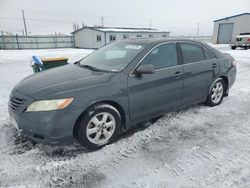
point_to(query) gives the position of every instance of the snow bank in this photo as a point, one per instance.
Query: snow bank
(196, 147)
(12, 56)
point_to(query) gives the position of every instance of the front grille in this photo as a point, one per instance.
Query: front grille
(16, 103)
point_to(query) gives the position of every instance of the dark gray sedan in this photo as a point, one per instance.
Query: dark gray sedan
(117, 87)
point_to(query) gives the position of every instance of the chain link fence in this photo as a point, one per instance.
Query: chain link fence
(36, 42)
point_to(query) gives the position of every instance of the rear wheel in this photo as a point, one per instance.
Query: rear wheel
(99, 126)
(216, 93)
(233, 47)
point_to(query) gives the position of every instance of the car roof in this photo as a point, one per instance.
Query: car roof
(158, 40)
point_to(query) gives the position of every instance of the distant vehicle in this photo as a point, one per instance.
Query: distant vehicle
(117, 87)
(242, 41)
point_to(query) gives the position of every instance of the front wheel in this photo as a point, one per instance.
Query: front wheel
(216, 93)
(99, 126)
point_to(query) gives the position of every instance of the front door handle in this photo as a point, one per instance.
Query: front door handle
(214, 65)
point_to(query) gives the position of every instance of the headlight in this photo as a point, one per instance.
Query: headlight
(48, 105)
(234, 63)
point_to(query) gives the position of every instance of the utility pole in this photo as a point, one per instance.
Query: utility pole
(24, 23)
(150, 23)
(198, 29)
(102, 20)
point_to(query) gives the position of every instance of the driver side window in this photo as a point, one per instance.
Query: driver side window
(162, 56)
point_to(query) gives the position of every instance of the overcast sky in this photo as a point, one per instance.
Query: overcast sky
(180, 17)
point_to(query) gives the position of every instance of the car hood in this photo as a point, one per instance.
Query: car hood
(61, 80)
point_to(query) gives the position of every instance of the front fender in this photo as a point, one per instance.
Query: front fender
(115, 92)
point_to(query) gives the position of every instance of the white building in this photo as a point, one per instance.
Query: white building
(226, 29)
(96, 37)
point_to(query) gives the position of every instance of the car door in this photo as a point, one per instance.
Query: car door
(200, 69)
(154, 94)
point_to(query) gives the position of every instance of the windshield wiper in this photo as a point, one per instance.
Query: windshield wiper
(94, 68)
(90, 67)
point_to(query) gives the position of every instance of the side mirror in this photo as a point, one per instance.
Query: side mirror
(77, 62)
(145, 69)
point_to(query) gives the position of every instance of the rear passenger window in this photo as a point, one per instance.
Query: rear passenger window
(208, 55)
(191, 53)
(163, 56)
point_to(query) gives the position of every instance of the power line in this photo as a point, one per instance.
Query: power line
(126, 22)
(95, 22)
(10, 18)
(144, 20)
(35, 19)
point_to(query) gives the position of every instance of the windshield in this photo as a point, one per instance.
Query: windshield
(113, 57)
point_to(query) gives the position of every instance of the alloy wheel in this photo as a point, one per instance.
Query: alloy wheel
(217, 92)
(100, 128)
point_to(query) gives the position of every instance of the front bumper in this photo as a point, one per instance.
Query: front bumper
(241, 45)
(52, 127)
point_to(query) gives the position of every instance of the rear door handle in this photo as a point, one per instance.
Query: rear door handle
(214, 65)
(178, 74)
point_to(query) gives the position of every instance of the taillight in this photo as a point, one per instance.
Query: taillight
(234, 63)
(248, 40)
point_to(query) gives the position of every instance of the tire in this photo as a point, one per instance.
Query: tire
(99, 127)
(233, 47)
(216, 93)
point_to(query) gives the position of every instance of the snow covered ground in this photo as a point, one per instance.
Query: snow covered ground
(196, 147)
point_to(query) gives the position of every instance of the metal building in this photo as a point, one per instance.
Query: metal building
(96, 37)
(226, 29)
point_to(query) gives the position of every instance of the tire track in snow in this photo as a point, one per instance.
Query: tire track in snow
(198, 147)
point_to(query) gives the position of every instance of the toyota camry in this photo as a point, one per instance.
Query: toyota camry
(117, 87)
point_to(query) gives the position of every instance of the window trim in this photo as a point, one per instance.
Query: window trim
(98, 35)
(209, 53)
(126, 36)
(132, 73)
(112, 35)
(191, 42)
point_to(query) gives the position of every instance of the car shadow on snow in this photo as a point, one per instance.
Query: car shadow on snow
(144, 125)
(89, 179)
(23, 145)
(188, 127)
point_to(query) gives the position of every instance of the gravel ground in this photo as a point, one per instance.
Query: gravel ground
(195, 147)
